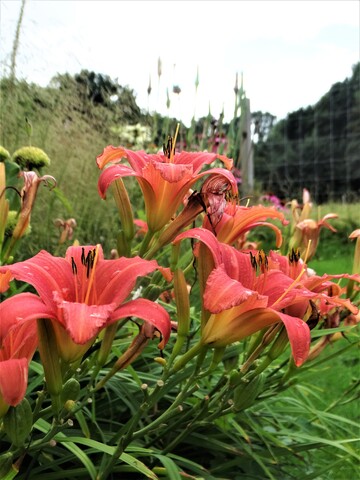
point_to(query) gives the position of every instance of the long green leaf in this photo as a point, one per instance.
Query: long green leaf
(44, 427)
(125, 457)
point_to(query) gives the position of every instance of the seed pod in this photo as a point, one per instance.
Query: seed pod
(18, 422)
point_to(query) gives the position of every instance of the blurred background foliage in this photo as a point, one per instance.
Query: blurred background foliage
(75, 117)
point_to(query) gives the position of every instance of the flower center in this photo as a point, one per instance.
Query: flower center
(169, 148)
(85, 276)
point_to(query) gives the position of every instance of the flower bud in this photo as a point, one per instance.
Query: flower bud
(18, 422)
(246, 393)
(70, 391)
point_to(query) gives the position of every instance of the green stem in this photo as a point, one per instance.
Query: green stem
(145, 243)
(196, 349)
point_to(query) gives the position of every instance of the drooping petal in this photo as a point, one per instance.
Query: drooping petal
(149, 311)
(207, 238)
(299, 337)
(110, 174)
(13, 380)
(83, 322)
(19, 309)
(235, 324)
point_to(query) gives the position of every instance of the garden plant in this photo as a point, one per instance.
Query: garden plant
(177, 353)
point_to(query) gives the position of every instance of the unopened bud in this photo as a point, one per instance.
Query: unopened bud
(18, 422)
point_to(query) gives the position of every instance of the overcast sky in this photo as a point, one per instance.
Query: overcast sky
(290, 52)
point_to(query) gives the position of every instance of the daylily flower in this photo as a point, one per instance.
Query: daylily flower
(305, 229)
(164, 179)
(328, 293)
(237, 220)
(18, 343)
(84, 293)
(241, 303)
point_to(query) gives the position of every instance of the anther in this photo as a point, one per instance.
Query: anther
(73, 266)
(253, 261)
(83, 259)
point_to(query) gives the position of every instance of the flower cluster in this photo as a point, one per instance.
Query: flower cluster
(195, 230)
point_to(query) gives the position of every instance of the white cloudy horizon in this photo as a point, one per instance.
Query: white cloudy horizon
(290, 53)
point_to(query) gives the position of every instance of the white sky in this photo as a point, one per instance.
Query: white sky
(290, 52)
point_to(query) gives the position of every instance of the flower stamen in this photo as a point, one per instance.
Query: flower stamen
(91, 260)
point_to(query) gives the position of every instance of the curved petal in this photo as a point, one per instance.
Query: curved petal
(137, 159)
(83, 322)
(20, 342)
(110, 174)
(198, 159)
(222, 292)
(116, 278)
(230, 326)
(207, 238)
(229, 229)
(224, 173)
(149, 311)
(19, 309)
(47, 274)
(13, 380)
(299, 337)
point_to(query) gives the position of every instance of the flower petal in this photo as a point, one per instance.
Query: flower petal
(222, 292)
(299, 337)
(115, 279)
(47, 274)
(13, 380)
(83, 322)
(207, 238)
(149, 311)
(20, 309)
(110, 174)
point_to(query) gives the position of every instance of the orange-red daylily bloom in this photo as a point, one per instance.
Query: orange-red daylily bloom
(84, 293)
(164, 179)
(305, 229)
(237, 220)
(18, 342)
(328, 293)
(241, 302)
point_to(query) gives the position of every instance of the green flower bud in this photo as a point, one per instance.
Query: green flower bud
(18, 422)
(246, 393)
(70, 391)
(29, 158)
